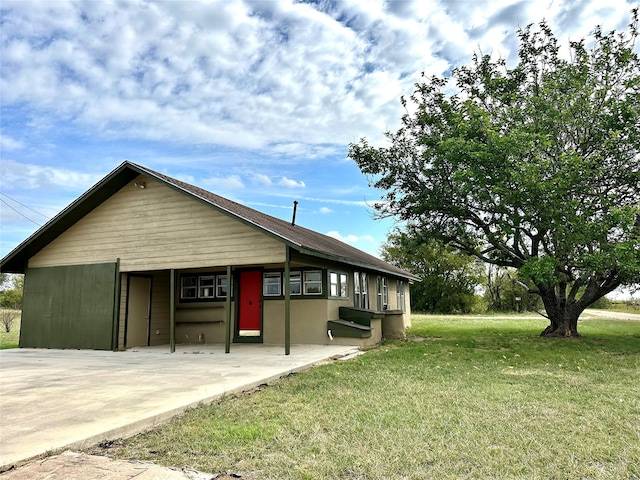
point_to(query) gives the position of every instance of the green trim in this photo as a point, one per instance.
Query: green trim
(116, 307)
(345, 328)
(227, 337)
(287, 302)
(172, 311)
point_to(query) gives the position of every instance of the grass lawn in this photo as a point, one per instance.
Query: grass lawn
(464, 398)
(10, 340)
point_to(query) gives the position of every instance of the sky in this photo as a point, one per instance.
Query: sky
(256, 101)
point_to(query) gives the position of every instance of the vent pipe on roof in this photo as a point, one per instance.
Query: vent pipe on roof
(295, 207)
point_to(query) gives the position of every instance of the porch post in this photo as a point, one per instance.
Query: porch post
(116, 308)
(227, 337)
(172, 312)
(287, 302)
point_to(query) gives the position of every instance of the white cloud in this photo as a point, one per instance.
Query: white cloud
(351, 238)
(8, 143)
(29, 176)
(221, 184)
(280, 75)
(287, 182)
(262, 179)
(325, 210)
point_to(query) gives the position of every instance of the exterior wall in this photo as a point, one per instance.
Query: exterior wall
(157, 228)
(309, 323)
(201, 323)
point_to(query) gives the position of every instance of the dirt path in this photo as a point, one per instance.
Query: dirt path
(612, 315)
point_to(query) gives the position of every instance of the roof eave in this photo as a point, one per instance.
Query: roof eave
(16, 261)
(356, 263)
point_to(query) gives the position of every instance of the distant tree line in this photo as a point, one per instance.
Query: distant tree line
(454, 282)
(11, 287)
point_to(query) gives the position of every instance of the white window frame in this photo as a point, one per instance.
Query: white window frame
(220, 286)
(306, 283)
(400, 294)
(361, 290)
(382, 290)
(267, 289)
(184, 288)
(206, 286)
(338, 285)
(295, 278)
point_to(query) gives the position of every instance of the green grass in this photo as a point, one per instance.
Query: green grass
(466, 398)
(11, 339)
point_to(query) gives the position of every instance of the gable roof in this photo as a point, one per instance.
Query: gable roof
(299, 238)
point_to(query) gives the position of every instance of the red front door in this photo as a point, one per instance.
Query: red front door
(250, 304)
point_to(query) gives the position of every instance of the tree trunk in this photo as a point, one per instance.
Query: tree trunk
(565, 326)
(563, 316)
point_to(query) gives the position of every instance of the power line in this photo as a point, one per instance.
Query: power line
(23, 205)
(19, 213)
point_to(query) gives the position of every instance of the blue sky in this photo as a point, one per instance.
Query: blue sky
(256, 101)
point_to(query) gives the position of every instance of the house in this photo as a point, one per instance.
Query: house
(144, 259)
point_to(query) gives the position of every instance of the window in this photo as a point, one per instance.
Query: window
(272, 284)
(203, 287)
(338, 286)
(382, 288)
(189, 287)
(206, 286)
(312, 284)
(400, 294)
(361, 290)
(222, 286)
(301, 283)
(295, 283)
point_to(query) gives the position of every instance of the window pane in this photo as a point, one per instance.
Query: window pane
(364, 288)
(313, 276)
(222, 289)
(206, 286)
(272, 284)
(313, 283)
(189, 292)
(344, 291)
(295, 283)
(189, 287)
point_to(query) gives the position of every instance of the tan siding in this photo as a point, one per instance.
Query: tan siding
(157, 228)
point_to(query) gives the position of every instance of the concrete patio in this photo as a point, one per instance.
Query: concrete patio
(58, 399)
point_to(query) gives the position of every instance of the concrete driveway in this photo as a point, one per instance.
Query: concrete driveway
(55, 399)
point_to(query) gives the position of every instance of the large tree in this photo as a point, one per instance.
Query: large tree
(534, 167)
